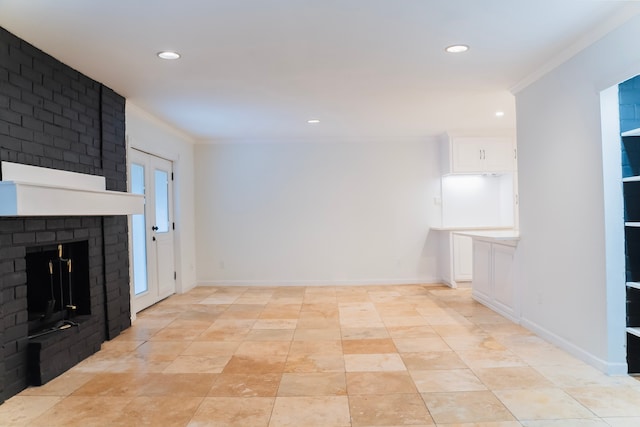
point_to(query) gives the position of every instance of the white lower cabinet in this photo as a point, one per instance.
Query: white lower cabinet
(493, 277)
(462, 258)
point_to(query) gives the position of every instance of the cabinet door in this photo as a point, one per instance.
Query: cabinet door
(462, 258)
(502, 276)
(498, 155)
(482, 269)
(466, 155)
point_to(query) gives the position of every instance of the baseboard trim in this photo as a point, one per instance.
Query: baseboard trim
(320, 283)
(574, 350)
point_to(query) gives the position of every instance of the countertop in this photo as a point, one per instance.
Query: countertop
(495, 235)
(472, 229)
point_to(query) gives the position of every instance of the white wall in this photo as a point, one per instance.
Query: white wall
(477, 201)
(570, 294)
(149, 134)
(317, 212)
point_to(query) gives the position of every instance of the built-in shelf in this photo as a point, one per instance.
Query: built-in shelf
(635, 285)
(632, 132)
(631, 179)
(632, 224)
(634, 331)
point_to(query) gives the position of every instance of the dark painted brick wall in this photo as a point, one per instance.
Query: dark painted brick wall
(53, 116)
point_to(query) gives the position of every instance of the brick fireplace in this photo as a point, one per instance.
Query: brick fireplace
(54, 117)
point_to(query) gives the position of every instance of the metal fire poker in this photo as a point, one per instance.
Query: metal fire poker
(70, 306)
(52, 302)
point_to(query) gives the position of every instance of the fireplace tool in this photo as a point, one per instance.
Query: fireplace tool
(52, 302)
(70, 307)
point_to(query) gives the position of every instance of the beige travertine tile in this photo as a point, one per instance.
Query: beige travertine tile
(176, 334)
(233, 412)
(379, 383)
(63, 385)
(317, 411)
(581, 375)
(512, 378)
(313, 362)
(608, 401)
(303, 348)
(275, 324)
(270, 335)
(377, 347)
(192, 324)
(313, 384)
(584, 422)
(484, 424)
(373, 362)
(433, 360)
(466, 407)
(197, 364)
(446, 380)
(211, 348)
(137, 364)
(364, 333)
(111, 384)
(399, 332)
(322, 334)
(540, 404)
(317, 321)
(281, 311)
(256, 364)
(77, 411)
(263, 348)
(121, 346)
(472, 342)
(245, 385)
(420, 345)
(157, 411)
(478, 359)
(395, 321)
(22, 410)
(388, 410)
(177, 385)
(368, 346)
(161, 351)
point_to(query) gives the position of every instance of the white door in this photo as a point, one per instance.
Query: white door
(152, 232)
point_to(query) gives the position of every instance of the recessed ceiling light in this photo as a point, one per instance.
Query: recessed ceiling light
(499, 113)
(457, 48)
(168, 54)
(313, 121)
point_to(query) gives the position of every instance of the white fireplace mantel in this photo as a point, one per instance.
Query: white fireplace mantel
(35, 191)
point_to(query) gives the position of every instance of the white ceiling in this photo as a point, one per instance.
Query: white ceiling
(258, 69)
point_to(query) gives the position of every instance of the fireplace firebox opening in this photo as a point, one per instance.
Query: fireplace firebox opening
(57, 286)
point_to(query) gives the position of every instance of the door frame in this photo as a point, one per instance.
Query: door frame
(133, 144)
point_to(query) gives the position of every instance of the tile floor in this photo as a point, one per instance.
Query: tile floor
(327, 356)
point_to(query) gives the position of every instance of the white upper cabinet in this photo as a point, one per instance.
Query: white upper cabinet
(463, 154)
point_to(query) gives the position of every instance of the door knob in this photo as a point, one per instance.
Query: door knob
(154, 228)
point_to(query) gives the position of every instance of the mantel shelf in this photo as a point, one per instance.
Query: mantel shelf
(27, 199)
(35, 191)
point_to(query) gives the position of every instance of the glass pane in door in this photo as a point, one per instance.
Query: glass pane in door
(138, 232)
(162, 201)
